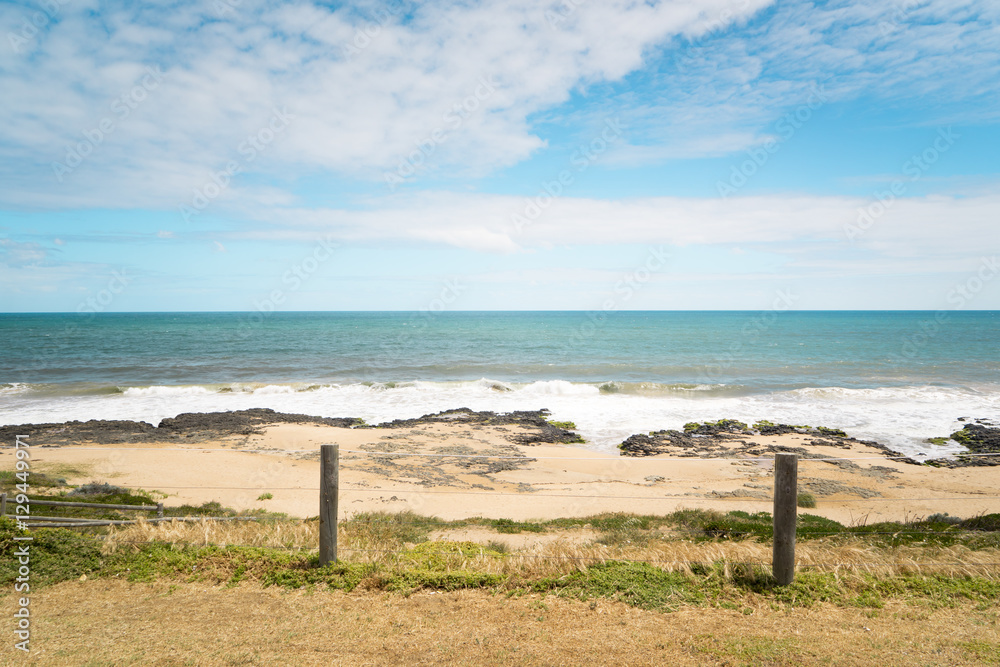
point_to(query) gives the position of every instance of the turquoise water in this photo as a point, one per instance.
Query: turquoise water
(757, 351)
(634, 368)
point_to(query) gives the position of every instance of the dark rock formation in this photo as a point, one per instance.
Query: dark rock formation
(188, 427)
(543, 432)
(201, 426)
(980, 437)
(733, 439)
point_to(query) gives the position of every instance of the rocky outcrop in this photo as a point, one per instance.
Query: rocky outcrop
(730, 438)
(189, 427)
(202, 426)
(980, 437)
(541, 431)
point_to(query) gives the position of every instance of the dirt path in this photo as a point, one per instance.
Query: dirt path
(112, 622)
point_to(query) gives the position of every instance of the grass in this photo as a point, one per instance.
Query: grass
(9, 481)
(107, 494)
(806, 500)
(510, 526)
(249, 624)
(693, 557)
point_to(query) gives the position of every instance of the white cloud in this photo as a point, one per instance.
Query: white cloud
(358, 113)
(723, 93)
(939, 229)
(16, 254)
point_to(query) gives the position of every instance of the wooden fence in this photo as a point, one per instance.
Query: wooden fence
(75, 522)
(784, 515)
(786, 468)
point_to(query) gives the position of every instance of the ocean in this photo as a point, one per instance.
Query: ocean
(897, 377)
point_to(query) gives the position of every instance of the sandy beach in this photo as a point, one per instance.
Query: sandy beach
(460, 464)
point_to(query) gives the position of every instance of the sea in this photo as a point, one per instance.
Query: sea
(898, 377)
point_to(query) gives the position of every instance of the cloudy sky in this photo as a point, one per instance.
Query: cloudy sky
(575, 154)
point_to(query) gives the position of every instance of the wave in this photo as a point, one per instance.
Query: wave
(11, 388)
(674, 389)
(930, 393)
(902, 417)
(540, 388)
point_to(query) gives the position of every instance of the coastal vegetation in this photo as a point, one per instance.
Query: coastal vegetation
(689, 557)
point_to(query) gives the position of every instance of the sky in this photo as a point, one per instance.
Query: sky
(240, 155)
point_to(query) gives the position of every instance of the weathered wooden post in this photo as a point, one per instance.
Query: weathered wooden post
(786, 473)
(3, 504)
(329, 486)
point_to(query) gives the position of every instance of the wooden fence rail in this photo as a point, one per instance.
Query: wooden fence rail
(76, 522)
(785, 512)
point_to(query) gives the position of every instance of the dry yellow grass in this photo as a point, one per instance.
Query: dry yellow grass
(546, 557)
(108, 622)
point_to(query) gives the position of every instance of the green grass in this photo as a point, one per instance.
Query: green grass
(9, 481)
(749, 650)
(806, 500)
(60, 555)
(984, 652)
(637, 584)
(618, 528)
(510, 526)
(401, 527)
(106, 494)
(55, 554)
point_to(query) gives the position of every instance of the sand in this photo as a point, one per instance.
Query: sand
(425, 467)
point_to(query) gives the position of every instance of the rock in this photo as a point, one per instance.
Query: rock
(191, 427)
(729, 438)
(542, 431)
(980, 437)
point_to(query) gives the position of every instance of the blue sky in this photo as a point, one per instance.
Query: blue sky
(240, 155)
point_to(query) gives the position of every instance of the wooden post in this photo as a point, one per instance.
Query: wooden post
(159, 510)
(786, 472)
(329, 486)
(3, 504)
